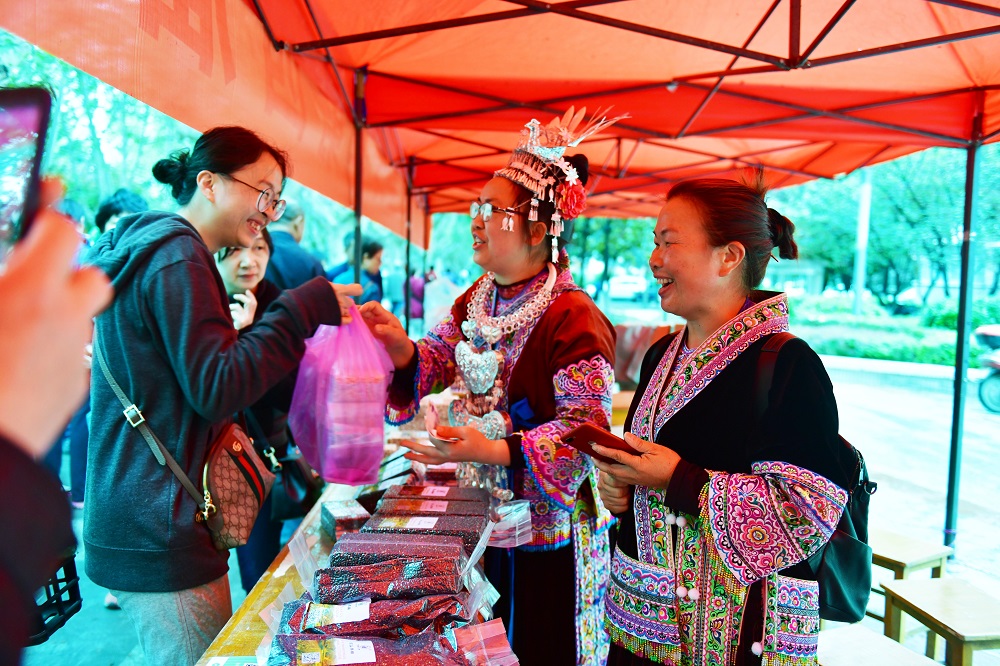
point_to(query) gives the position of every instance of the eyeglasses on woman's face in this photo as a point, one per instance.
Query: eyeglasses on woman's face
(267, 202)
(486, 210)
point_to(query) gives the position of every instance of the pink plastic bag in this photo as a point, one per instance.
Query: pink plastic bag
(338, 408)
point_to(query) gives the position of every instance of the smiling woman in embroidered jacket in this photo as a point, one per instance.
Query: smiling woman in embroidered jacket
(719, 511)
(534, 359)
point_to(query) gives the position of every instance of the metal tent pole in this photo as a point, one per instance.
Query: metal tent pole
(360, 116)
(964, 315)
(409, 240)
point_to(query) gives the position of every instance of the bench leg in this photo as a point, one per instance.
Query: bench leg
(931, 645)
(893, 617)
(958, 654)
(931, 652)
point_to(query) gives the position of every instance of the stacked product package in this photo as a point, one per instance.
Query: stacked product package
(402, 590)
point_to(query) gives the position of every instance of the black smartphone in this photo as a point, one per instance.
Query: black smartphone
(584, 437)
(24, 122)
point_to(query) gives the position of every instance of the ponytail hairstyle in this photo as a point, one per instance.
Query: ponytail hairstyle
(736, 212)
(220, 150)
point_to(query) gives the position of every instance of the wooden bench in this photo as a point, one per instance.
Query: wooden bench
(853, 645)
(902, 555)
(966, 617)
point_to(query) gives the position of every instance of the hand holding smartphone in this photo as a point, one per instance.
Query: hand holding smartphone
(584, 437)
(24, 121)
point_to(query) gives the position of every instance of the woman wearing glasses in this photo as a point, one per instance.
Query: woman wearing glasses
(533, 358)
(169, 342)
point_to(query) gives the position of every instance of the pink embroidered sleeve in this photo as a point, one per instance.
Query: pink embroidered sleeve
(582, 394)
(435, 371)
(771, 519)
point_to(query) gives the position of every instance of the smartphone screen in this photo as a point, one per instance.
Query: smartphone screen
(24, 119)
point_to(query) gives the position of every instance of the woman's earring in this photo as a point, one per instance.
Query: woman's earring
(508, 222)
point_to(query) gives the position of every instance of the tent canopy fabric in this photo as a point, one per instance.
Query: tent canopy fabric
(810, 90)
(442, 87)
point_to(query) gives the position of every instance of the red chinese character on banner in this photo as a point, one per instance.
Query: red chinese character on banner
(191, 22)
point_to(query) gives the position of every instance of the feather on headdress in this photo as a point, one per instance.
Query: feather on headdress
(538, 164)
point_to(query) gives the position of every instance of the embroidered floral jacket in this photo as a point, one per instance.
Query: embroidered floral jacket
(715, 562)
(562, 366)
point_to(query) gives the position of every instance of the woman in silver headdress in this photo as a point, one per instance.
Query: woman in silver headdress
(532, 358)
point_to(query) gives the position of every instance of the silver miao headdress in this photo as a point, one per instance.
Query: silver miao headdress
(538, 164)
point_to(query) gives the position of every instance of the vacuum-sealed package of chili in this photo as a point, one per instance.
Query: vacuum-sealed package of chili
(468, 528)
(400, 578)
(379, 546)
(369, 496)
(429, 507)
(449, 493)
(342, 516)
(390, 618)
(442, 474)
(424, 649)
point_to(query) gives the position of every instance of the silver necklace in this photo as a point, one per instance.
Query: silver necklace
(491, 328)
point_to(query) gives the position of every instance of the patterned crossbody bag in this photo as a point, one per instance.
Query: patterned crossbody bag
(235, 481)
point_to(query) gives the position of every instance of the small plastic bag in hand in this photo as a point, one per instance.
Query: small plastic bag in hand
(344, 382)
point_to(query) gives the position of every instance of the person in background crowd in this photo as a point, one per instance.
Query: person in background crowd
(289, 265)
(168, 340)
(75, 211)
(393, 296)
(250, 293)
(122, 202)
(727, 546)
(556, 373)
(371, 272)
(348, 263)
(417, 282)
(48, 308)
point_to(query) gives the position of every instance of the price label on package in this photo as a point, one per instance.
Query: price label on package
(435, 491)
(437, 506)
(358, 611)
(421, 523)
(322, 614)
(353, 652)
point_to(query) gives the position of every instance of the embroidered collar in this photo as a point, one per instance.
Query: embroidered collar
(767, 315)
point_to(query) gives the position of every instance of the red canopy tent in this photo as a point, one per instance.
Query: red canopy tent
(386, 103)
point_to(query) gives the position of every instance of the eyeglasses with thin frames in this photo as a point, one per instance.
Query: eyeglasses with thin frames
(486, 210)
(265, 199)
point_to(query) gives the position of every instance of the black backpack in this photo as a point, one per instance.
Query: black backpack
(843, 566)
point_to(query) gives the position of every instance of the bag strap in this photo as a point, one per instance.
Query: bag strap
(765, 370)
(137, 421)
(762, 387)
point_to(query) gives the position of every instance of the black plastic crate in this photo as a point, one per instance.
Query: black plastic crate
(57, 601)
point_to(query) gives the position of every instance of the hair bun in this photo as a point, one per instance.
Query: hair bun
(582, 166)
(172, 171)
(782, 232)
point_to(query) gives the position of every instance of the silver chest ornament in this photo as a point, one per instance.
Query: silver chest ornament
(479, 370)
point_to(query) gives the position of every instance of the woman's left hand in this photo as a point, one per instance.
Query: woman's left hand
(652, 466)
(460, 444)
(244, 310)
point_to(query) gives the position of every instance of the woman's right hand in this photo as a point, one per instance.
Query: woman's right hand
(243, 310)
(387, 328)
(616, 495)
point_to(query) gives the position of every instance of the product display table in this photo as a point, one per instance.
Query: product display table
(245, 630)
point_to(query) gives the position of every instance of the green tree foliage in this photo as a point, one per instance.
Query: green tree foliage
(915, 227)
(101, 140)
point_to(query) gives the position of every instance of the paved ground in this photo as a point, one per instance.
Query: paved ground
(899, 415)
